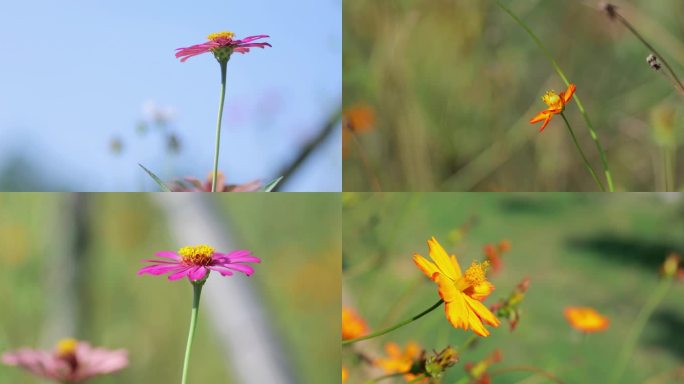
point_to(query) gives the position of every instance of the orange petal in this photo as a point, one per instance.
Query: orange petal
(568, 93)
(546, 122)
(446, 264)
(483, 312)
(447, 289)
(457, 312)
(481, 291)
(540, 116)
(476, 324)
(428, 268)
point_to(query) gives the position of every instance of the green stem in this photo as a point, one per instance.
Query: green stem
(224, 65)
(678, 83)
(639, 324)
(590, 126)
(586, 162)
(196, 292)
(392, 328)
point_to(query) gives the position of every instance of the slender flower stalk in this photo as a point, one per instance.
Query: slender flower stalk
(393, 327)
(584, 157)
(224, 65)
(646, 312)
(590, 126)
(196, 292)
(613, 14)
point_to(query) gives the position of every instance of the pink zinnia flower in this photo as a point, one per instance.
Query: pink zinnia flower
(222, 45)
(195, 262)
(72, 361)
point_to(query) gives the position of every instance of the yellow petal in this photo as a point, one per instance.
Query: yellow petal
(483, 312)
(457, 312)
(447, 265)
(447, 289)
(428, 268)
(481, 291)
(476, 325)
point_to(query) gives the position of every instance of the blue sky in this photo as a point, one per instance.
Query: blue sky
(75, 74)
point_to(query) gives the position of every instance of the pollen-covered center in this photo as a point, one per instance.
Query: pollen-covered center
(476, 274)
(66, 347)
(553, 100)
(221, 36)
(197, 255)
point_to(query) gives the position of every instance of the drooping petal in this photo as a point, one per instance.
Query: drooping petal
(540, 116)
(457, 312)
(568, 93)
(246, 269)
(546, 122)
(444, 262)
(427, 267)
(447, 289)
(160, 269)
(197, 273)
(482, 312)
(476, 324)
(180, 274)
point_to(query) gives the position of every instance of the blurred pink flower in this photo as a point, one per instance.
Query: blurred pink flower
(191, 184)
(222, 45)
(196, 262)
(72, 361)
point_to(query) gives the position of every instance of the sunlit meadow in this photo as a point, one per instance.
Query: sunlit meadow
(455, 89)
(577, 297)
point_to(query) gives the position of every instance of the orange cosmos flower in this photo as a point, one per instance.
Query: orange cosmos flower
(585, 319)
(461, 292)
(556, 105)
(353, 325)
(399, 361)
(345, 375)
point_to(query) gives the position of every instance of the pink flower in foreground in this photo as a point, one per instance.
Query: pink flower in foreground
(195, 262)
(72, 361)
(191, 184)
(222, 45)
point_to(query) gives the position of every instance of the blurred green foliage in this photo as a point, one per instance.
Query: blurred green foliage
(298, 281)
(577, 249)
(454, 83)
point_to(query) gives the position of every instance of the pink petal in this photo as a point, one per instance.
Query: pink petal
(180, 274)
(221, 270)
(160, 269)
(197, 273)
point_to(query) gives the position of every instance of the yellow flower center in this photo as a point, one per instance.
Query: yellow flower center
(66, 347)
(553, 100)
(476, 274)
(220, 35)
(197, 255)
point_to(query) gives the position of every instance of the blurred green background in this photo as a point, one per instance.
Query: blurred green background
(298, 281)
(577, 249)
(453, 84)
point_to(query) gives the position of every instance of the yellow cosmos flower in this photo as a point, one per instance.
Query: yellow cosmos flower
(461, 292)
(585, 319)
(345, 375)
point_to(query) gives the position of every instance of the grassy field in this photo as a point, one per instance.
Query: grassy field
(453, 83)
(298, 281)
(577, 249)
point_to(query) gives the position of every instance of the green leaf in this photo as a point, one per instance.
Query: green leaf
(156, 179)
(270, 186)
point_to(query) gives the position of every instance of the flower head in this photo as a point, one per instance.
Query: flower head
(71, 361)
(191, 184)
(196, 262)
(556, 105)
(585, 319)
(353, 325)
(409, 361)
(222, 45)
(461, 292)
